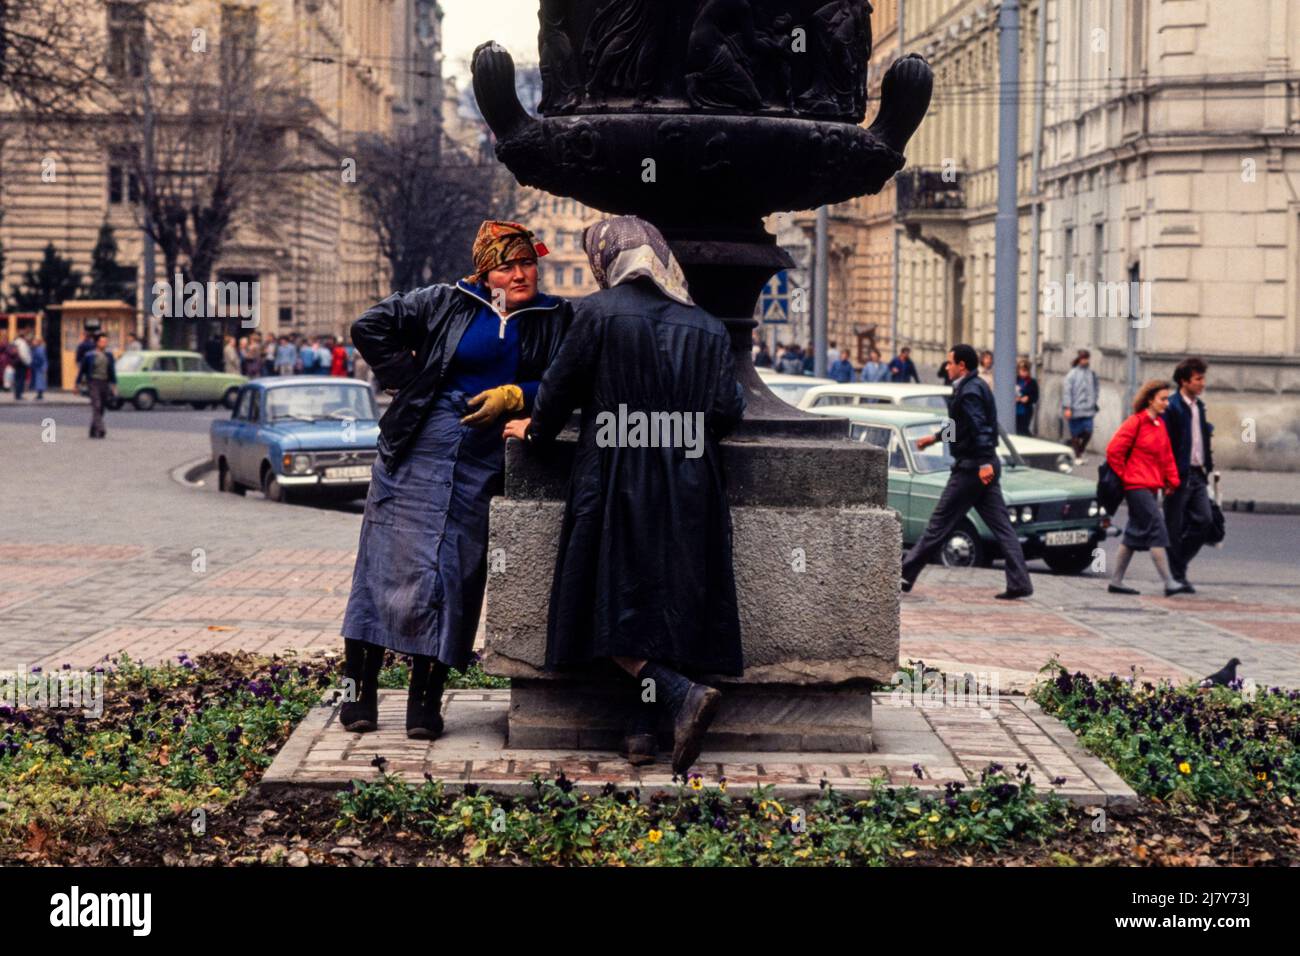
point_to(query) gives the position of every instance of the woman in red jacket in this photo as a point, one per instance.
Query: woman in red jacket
(1140, 454)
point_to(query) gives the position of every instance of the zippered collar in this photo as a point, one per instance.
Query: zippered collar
(545, 303)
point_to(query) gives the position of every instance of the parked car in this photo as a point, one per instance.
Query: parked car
(1039, 453)
(146, 378)
(790, 388)
(298, 436)
(1057, 517)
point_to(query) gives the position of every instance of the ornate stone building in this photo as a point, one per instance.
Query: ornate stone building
(315, 261)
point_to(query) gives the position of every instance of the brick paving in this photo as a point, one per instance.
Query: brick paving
(951, 744)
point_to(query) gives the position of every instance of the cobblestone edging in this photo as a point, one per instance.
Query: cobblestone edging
(947, 744)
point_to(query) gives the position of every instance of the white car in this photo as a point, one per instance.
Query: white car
(1037, 452)
(790, 388)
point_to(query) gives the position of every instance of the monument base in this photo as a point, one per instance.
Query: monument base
(816, 587)
(589, 715)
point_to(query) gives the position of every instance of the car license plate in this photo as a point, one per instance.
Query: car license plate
(348, 471)
(1055, 539)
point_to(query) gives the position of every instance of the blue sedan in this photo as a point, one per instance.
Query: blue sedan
(298, 436)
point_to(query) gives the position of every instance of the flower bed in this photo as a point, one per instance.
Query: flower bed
(1184, 743)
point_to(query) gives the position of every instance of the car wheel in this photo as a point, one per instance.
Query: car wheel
(963, 549)
(145, 400)
(226, 481)
(230, 398)
(272, 489)
(1069, 560)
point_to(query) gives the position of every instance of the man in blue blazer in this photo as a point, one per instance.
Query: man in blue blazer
(1187, 510)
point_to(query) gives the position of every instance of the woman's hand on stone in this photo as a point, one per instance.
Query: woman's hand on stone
(517, 428)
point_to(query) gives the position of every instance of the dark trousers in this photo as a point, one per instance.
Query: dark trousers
(99, 395)
(1187, 518)
(20, 379)
(963, 492)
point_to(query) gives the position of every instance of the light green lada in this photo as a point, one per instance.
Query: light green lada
(1056, 516)
(146, 378)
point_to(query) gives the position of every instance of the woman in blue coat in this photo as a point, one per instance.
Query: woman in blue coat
(460, 358)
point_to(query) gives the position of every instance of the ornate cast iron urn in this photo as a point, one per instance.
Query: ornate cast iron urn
(703, 116)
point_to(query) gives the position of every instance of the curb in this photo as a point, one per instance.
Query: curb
(1251, 506)
(188, 473)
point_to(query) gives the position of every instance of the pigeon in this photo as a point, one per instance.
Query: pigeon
(1223, 677)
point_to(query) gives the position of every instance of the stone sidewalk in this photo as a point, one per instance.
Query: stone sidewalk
(927, 747)
(77, 604)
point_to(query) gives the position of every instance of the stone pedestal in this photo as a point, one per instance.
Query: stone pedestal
(817, 566)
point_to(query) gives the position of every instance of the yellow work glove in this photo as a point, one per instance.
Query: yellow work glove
(494, 403)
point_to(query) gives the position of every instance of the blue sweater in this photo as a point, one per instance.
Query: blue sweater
(486, 358)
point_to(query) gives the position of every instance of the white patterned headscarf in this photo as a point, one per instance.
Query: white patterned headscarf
(625, 247)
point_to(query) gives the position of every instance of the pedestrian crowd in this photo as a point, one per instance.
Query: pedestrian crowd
(258, 355)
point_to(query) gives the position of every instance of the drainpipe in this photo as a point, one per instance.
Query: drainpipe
(1040, 109)
(893, 313)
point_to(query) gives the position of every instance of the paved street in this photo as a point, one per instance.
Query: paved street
(99, 556)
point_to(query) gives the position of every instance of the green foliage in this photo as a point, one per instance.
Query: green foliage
(1183, 743)
(700, 825)
(53, 282)
(170, 738)
(108, 278)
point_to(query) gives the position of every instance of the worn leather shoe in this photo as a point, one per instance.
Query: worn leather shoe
(639, 749)
(1012, 594)
(1179, 589)
(691, 724)
(1122, 589)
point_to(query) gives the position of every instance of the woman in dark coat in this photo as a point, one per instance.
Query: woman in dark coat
(1141, 456)
(644, 573)
(459, 357)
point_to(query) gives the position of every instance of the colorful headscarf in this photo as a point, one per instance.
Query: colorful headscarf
(625, 247)
(499, 242)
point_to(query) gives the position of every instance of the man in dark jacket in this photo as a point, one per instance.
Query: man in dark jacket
(974, 480)
(644, 574)
(1187, 510)
(100, 375)
(902, 368)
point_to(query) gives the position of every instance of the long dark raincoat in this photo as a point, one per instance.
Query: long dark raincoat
(644, 567)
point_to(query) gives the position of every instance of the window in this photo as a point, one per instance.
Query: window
(896, 459)
(238, 45)
(822, 400)
(166, 363)
(254, 405)
(191, 363)
(123, 183)
(125, 40)
(577, 275)
(245, 407)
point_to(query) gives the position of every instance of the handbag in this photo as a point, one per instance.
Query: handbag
(1217, 529)
(1110, 489)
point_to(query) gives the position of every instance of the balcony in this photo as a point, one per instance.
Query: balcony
(926, 190)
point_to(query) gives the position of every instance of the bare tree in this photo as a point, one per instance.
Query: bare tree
(425, 199)
(203, 125)
(49, 62)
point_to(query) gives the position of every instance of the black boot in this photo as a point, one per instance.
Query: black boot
(424, 698)
(693, 707)
(361, 664)
(640, 734)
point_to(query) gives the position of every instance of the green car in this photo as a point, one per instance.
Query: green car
(146, 378)
(1056, 516)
